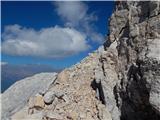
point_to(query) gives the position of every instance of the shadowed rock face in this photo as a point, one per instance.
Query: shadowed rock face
(135, 26)
(119, 81)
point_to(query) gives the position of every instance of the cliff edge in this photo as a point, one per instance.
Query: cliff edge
(119, 81)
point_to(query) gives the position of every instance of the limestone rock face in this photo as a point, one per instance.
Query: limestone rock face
(74, 96)
(135, 26)
(18, 94)
(119, 81)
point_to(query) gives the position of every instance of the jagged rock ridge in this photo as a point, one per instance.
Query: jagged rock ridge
(135, 28)
(120, 81)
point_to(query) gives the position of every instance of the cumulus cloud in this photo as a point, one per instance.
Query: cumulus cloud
(53, 42)
(75, 14)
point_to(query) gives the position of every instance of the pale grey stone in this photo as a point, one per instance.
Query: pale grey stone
(154, 97)
(49, 97)
(53, 115)
(15, 97)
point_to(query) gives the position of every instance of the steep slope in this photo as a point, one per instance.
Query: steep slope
(135, 28)
(120, 81)
(71, 96)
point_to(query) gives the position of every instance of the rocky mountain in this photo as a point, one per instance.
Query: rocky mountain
(119, 81)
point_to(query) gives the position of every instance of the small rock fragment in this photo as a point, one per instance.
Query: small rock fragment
(49, 97)
(53, 116)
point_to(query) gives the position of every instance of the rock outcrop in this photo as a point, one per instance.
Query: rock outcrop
(135, 28)
(119, 81)
(71, 96)
(15, 97)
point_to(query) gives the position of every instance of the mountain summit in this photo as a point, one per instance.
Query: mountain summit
(119, 81)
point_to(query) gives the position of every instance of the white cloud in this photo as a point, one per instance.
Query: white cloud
(54, 42)
(51, 42)
(3, 63)
(75, 14)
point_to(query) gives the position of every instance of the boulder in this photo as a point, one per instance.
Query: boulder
(49, 97)
(36, 102)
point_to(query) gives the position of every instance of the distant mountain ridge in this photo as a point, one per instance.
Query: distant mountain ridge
(11, 73)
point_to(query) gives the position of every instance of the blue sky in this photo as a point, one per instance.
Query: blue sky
(58, 34)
